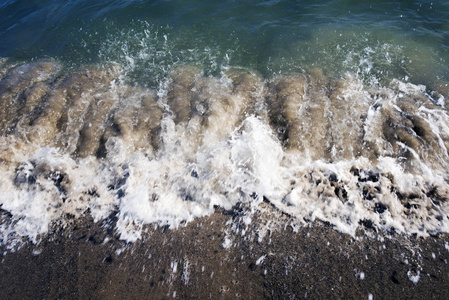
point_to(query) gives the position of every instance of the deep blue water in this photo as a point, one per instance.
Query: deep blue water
(374, 39)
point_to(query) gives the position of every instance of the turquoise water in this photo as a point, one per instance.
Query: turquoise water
(374, 39)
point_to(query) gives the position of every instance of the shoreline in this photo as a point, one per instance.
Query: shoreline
(195, 262)
(226, 150)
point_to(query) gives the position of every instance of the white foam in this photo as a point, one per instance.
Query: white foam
(260, 260)
(196, 169)
(414, 277)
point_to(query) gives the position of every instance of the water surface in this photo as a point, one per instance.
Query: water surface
(143, 112)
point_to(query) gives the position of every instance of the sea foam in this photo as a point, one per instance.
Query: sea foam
(343, 151)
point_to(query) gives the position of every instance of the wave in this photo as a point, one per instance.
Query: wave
(339, 150)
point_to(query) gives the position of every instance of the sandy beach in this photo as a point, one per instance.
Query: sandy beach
(86, 261)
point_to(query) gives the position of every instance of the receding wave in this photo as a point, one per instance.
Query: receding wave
(84, 142)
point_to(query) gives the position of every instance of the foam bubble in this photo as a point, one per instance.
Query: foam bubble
(316, 148)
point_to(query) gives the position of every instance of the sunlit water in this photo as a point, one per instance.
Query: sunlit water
(162, 111)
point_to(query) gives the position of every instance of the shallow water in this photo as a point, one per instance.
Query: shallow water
(160, 112)
(385, 39)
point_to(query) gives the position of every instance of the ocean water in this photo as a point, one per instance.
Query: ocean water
(160, 112)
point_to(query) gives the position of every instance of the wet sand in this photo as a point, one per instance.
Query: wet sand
(87, 261)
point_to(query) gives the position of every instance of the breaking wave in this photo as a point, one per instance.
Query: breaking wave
(340, 150)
